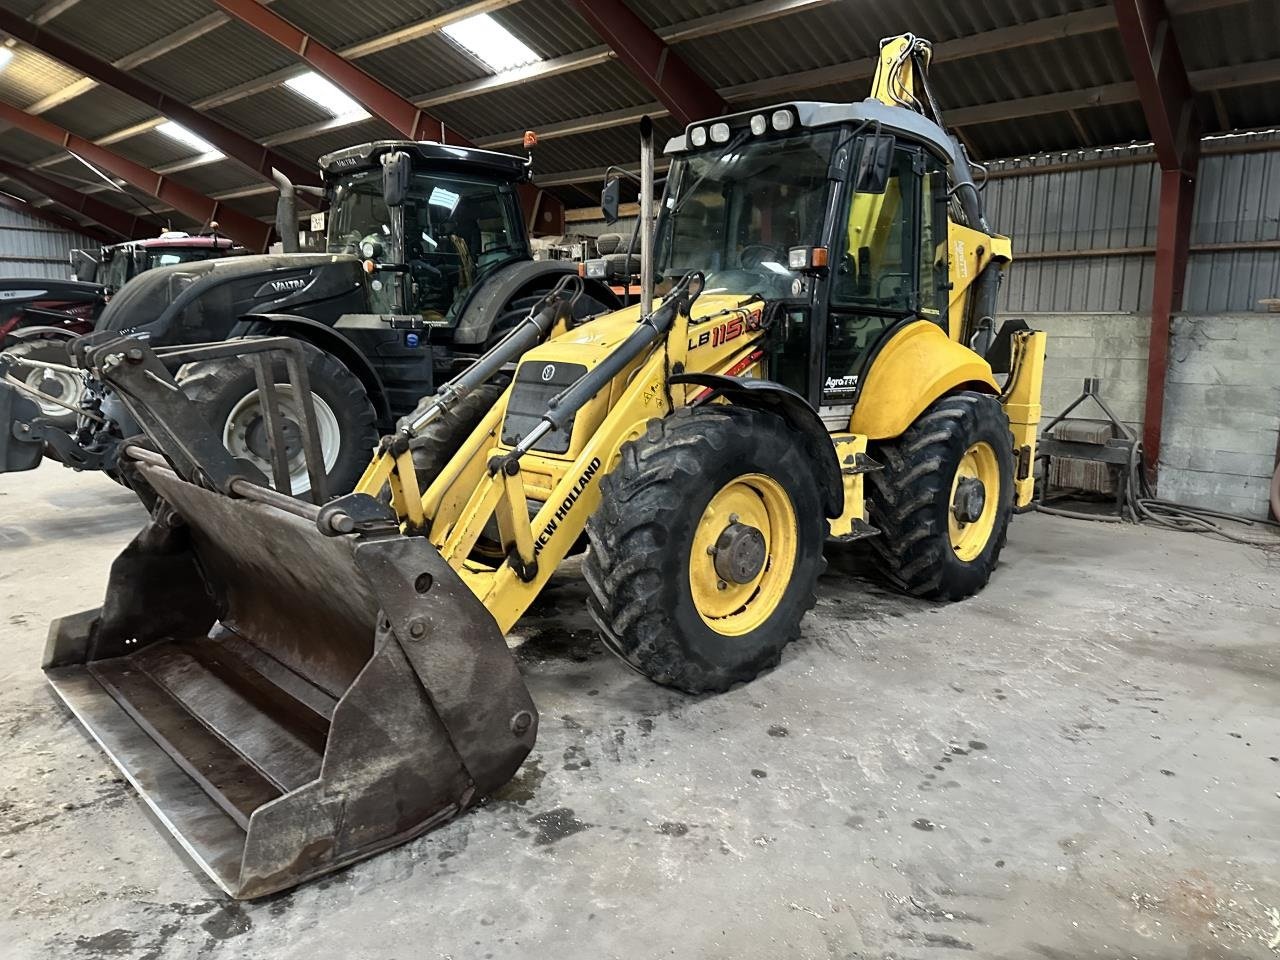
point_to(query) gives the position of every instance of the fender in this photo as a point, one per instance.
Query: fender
(484, 305)
(794, 409)
(43, 332)
(326, 338)
(911, 370)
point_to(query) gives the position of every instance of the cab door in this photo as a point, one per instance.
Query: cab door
(888, 267)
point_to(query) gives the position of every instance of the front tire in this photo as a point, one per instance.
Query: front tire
(706, 547)
(227, 393)
(944, 498)
(64, 385)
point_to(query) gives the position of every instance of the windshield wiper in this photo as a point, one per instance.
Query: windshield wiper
(733, 144)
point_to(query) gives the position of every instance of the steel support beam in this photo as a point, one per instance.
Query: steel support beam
(56, 219)
(380, 100)
(241, 227)
(120, 222)
(372, 94)
(257, 159)
(1168, 103)
(675, 83)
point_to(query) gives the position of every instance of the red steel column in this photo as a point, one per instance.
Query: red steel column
(1169, 106)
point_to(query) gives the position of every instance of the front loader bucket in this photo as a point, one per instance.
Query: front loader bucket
(288, 702)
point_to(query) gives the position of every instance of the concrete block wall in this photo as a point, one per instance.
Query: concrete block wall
(1222, 396)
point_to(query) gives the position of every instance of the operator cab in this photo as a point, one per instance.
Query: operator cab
(460, 221)
(834, 214)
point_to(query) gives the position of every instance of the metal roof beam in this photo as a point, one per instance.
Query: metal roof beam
(373, 95)
(257, 159)
(1168, 102)
(1125, 91)
(51, 9)
(682, 91)
(239, 226)
(116, 220)
(758, 12)
(56, 219)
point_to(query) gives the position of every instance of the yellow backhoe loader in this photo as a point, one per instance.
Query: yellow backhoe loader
(293, 686)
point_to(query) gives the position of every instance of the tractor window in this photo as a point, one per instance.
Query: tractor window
(456, 229)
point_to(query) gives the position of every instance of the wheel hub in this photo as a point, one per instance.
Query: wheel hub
(739, 553)
(50, 385)
(970, 500)
(258, 442)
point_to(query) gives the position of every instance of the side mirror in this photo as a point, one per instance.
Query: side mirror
(397, 172)
(610, 200)
(875, 163)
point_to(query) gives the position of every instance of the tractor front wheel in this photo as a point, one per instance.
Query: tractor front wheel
(227, 392)
(943, 498)
(706, 547)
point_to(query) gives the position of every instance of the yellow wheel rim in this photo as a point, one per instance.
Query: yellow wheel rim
(752, 502)
(969, 533)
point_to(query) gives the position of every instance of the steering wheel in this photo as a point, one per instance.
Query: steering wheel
(755, 254)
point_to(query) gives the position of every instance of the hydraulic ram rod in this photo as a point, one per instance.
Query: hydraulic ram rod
(648, 330)
(527, 334)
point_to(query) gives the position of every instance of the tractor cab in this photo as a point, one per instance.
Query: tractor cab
(430, 221)
(836, 216)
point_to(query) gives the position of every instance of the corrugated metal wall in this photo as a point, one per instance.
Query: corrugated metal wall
(35, 248)
(1102, 220)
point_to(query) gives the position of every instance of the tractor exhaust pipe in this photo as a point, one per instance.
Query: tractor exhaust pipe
(646, 216)
(286, 212)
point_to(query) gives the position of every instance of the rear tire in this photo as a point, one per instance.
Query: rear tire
(65, 386)
(657, 591)
(923, 549)
(226, 391)
(435, 444)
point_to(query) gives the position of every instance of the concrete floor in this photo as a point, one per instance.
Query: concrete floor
(1084, 761)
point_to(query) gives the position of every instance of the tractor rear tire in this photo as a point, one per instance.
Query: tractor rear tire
(923, 548)
(65, 386)
(659, 592)
(435, 444)
(226, 391)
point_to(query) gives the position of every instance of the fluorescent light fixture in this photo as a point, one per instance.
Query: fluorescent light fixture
(6, 54)
(324, 94)
(440, 197)
(176, 131)
(490, 42)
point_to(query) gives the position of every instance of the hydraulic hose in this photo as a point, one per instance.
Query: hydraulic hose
(525, 335)
(1140, 506)
(648, 331)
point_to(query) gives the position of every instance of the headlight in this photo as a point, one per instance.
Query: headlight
(367, 250)
(698, 136)
(720, 133)
(597, 269)
(783, 120)
(759, 124)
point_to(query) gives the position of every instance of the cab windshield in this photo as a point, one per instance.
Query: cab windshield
(457, 229)
(733, 213)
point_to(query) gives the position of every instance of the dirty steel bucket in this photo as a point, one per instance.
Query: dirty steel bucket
(287, 702)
